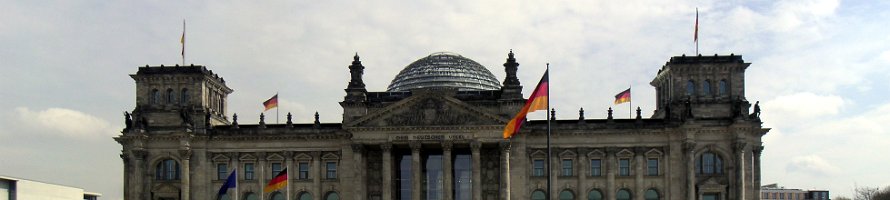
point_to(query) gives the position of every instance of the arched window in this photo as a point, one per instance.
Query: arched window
(690, 88)
(155, 96)
(706, 88)
(276, 196)
(651, 194)
(594, 195)
(251, 196)
(538, 195)
(332, 196)
(722, 88)
(184, 96)
(304, 196)
(623, 194)
(171, 97)
(566, 195)
(167, 170)
(709, 163)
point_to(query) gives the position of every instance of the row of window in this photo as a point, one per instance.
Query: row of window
(596, 167)
(303, 168)
(280, 196)
(169, 170)
(708, 163)
(155, 97)
(722, 88)
(595, 194)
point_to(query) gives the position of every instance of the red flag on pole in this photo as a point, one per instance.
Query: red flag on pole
(695, 39)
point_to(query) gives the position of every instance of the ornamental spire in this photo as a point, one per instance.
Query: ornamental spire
(511, 66)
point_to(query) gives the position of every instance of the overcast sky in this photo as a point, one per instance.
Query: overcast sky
(820, 68)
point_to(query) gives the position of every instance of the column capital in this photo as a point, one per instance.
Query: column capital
(447, 146)
(639, 151)
(288, 154)
(475, 145)
(415, 145)
(505, 145)
(386, 147)
(358, 147)
(689, 146)
(757, 150)
(185, 154)
(139, 154)
(610, 151)
(315, 154)
(740, 146)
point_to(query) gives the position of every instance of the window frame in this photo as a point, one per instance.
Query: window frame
(303, 173)
(538, 171)
(624, 170)
(653, 170)
(596, 170)
(249, 172)
(331, 173)
(568, 169)
(272, 169)
(222, 170)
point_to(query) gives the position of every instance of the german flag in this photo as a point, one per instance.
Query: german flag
(271, 103)
(278, 182)
(622, 97)
(537, 101)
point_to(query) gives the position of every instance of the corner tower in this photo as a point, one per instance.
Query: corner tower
(170, 96)
(701, 87)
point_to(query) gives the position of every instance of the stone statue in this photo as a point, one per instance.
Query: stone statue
(688, 109)
(639, 111)
(185, 116)
(207, 120)
(610, 113)
(128, 121)
(756, 113)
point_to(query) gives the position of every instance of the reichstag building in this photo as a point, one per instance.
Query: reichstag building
(436, 134)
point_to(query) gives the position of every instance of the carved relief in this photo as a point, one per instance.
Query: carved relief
(428, 112)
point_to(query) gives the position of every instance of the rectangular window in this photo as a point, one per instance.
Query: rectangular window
(781, 195)
(221, 170)
(652, 167)
(248, 171)
(567, 167)
(538, 168)
(624, 167)
(596, 167)
(304, 171)
(276, 168)
(331, 170)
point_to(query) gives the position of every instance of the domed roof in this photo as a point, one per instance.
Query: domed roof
(444, 69)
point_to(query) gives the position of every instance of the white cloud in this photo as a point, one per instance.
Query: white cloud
(66, 122)
(793, 109)
(812, 164)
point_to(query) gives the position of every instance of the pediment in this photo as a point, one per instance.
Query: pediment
(220, 158)
(596, 153)
(625, 153)
(429, 110)
(247, 157)
(567, 154)
(330, 156)
(303, 156)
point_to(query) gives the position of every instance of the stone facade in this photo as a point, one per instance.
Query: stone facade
(444, 143)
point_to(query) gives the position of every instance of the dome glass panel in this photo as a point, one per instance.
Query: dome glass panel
(444, 70)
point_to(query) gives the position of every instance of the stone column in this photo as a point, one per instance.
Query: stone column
(555, 167)
(289, 165)
(235, 162)
(475, 146)
(740, 162)
(185, 176)
(689, 149)
(639, 172)
(125, 157)
(387, 170)
(260, 170)
(505, 170)
(447, 169)
(138, 175)
(756, 170)
(360, 184)
(316, 180)
(611, 166)
(583, 171)
(415, 170)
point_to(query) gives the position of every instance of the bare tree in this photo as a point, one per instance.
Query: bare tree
(883, 194)
(864, 193)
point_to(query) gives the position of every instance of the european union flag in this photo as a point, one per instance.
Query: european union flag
(231, 182)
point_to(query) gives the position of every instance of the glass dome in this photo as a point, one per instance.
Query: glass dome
(444, 69)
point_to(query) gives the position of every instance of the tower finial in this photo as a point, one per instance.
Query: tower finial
(355, 58)
(511, 66)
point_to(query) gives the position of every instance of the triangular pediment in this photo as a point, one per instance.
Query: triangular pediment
(429, 110)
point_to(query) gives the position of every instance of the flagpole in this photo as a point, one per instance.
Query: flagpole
(276, 109)
(630, 105)
(549, 151)
(236, 182)
(696, 31)
(183, 42)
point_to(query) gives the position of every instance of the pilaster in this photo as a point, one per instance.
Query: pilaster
(387, 170)
(505, 169)
(475, 147)
(415, 170)
(449, 173)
